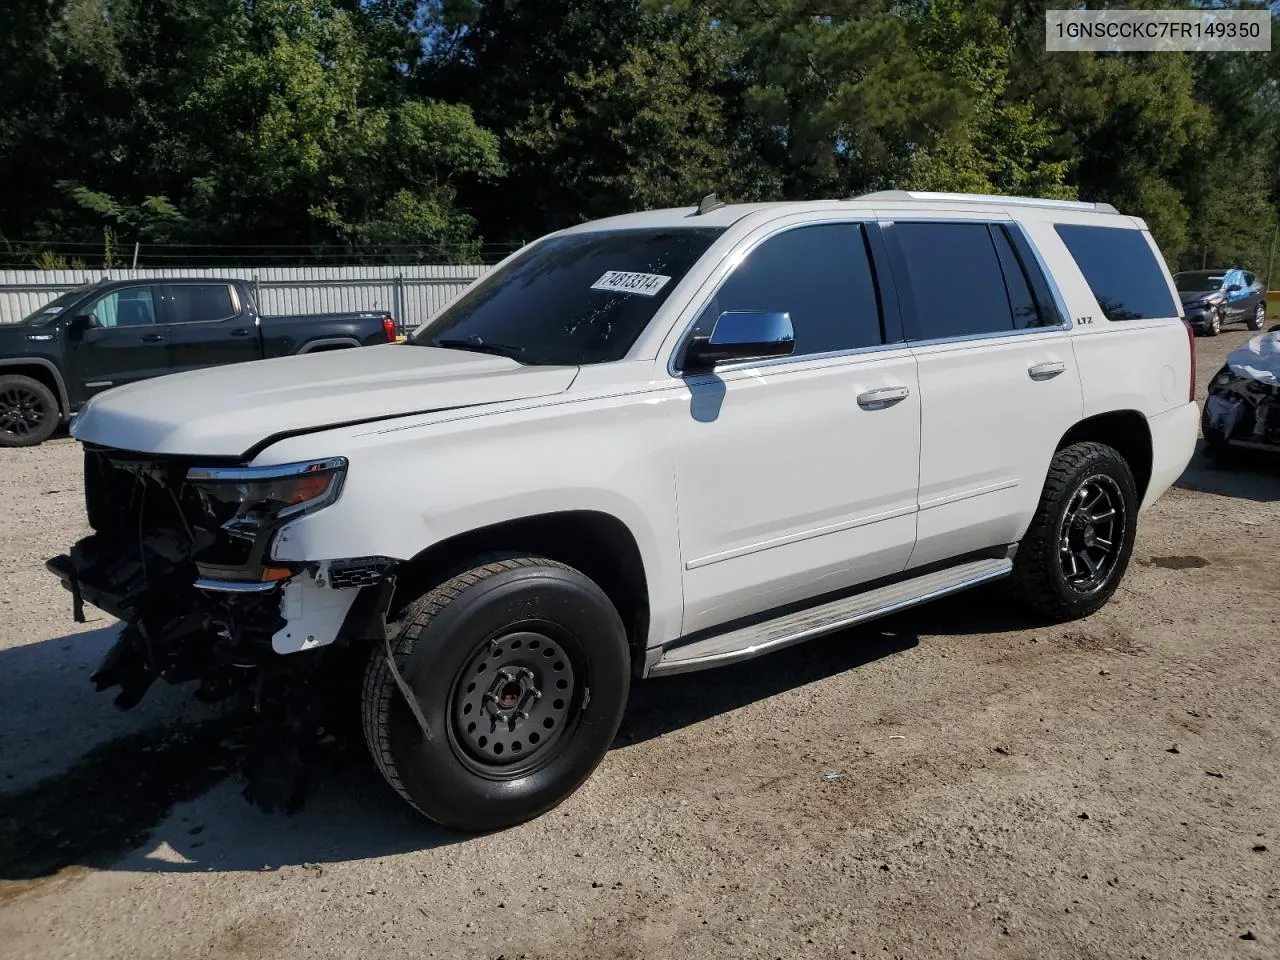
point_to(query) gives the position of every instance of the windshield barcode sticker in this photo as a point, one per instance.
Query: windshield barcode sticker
(645, 284)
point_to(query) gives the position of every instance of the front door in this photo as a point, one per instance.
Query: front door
(124, 342)
(207, 326)
(796, 476)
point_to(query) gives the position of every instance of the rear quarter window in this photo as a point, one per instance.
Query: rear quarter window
(1121, 270)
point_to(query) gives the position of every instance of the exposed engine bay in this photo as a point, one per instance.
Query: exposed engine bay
(181, 555)
(1243, 406)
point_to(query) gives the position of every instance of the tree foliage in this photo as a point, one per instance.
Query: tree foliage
(399, 129)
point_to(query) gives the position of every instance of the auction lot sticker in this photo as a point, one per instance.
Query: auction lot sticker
(620, 281)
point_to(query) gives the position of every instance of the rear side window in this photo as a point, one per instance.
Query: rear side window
(956, 283)
(820, 275)
(199, 302)
(1025, 312)
(1121, 271)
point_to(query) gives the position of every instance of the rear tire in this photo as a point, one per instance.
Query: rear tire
(28, 411)
(1259, 316)
(521, 669)
(1077, 548)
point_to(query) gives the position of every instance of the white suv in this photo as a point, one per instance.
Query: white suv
(642, 446)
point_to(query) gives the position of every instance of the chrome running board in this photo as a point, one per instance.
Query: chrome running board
(760, 638)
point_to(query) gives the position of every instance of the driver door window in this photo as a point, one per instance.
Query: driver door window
(820, 275)
(130, 307)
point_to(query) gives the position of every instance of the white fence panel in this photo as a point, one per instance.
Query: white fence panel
(412, 293)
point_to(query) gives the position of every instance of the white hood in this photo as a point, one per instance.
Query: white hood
(1259, 359)
(224, 411)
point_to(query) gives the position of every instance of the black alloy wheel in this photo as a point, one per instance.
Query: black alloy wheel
(1090, 534)
(28, 412)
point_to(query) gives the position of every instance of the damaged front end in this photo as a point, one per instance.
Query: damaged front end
(181, 554)
(1242, 411)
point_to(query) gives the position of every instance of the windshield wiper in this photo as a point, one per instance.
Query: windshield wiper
(479, 345)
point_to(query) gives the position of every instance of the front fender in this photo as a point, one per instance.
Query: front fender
(408, 489)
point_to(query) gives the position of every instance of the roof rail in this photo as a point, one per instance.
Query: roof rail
(900, 195)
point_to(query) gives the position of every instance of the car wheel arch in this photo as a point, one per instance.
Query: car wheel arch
(598, 544)
(1127, 432)
(44, 372)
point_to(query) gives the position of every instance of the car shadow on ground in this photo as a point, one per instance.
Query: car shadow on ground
(166, 797)
(1248, 475)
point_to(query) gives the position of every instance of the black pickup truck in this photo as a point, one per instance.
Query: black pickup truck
(117, 331)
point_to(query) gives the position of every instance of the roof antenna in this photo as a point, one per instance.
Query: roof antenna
(709, 202)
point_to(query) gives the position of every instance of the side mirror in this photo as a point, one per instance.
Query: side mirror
(1234, 288)
(741, 335)
(78, 325)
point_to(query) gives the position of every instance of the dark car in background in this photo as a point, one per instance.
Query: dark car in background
(1212, 298)
(115, 332)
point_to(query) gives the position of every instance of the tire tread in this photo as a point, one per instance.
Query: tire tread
(380, 689)
(1033, 577)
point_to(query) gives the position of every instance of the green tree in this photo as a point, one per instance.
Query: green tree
(295, 136)
(1001, 144)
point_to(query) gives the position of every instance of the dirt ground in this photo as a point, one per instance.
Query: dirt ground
(956, 782)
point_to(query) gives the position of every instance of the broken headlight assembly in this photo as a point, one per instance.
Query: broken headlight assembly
(249, 504)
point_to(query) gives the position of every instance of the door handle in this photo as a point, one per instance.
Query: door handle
(882, 397)
(241, 332)
(1046, 371)
(152, 337)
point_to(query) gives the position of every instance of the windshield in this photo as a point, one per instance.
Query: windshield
(576, 299)
(52, 308)
(1198, 282)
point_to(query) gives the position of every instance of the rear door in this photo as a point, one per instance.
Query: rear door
(208, 325)
(124, 344)
(999, 384)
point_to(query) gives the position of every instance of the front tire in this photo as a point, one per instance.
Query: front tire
(1215, 324)
(521, 669)
(1078, 546)
(1259, 316)
(28, 412)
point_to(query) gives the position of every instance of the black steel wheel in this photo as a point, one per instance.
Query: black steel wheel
(1077, 547)
(28, 412)
(520, 669)
(514, 701)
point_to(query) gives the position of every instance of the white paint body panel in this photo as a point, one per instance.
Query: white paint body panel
(787, 488)
(766, 487)
(988, 432)
(226, 410)
(313, 614)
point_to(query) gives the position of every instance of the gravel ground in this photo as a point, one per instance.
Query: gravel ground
(956, 782)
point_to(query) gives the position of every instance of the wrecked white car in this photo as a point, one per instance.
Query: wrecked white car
(1242, 410)
(644, 446)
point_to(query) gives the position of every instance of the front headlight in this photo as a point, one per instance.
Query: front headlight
(250, 500)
